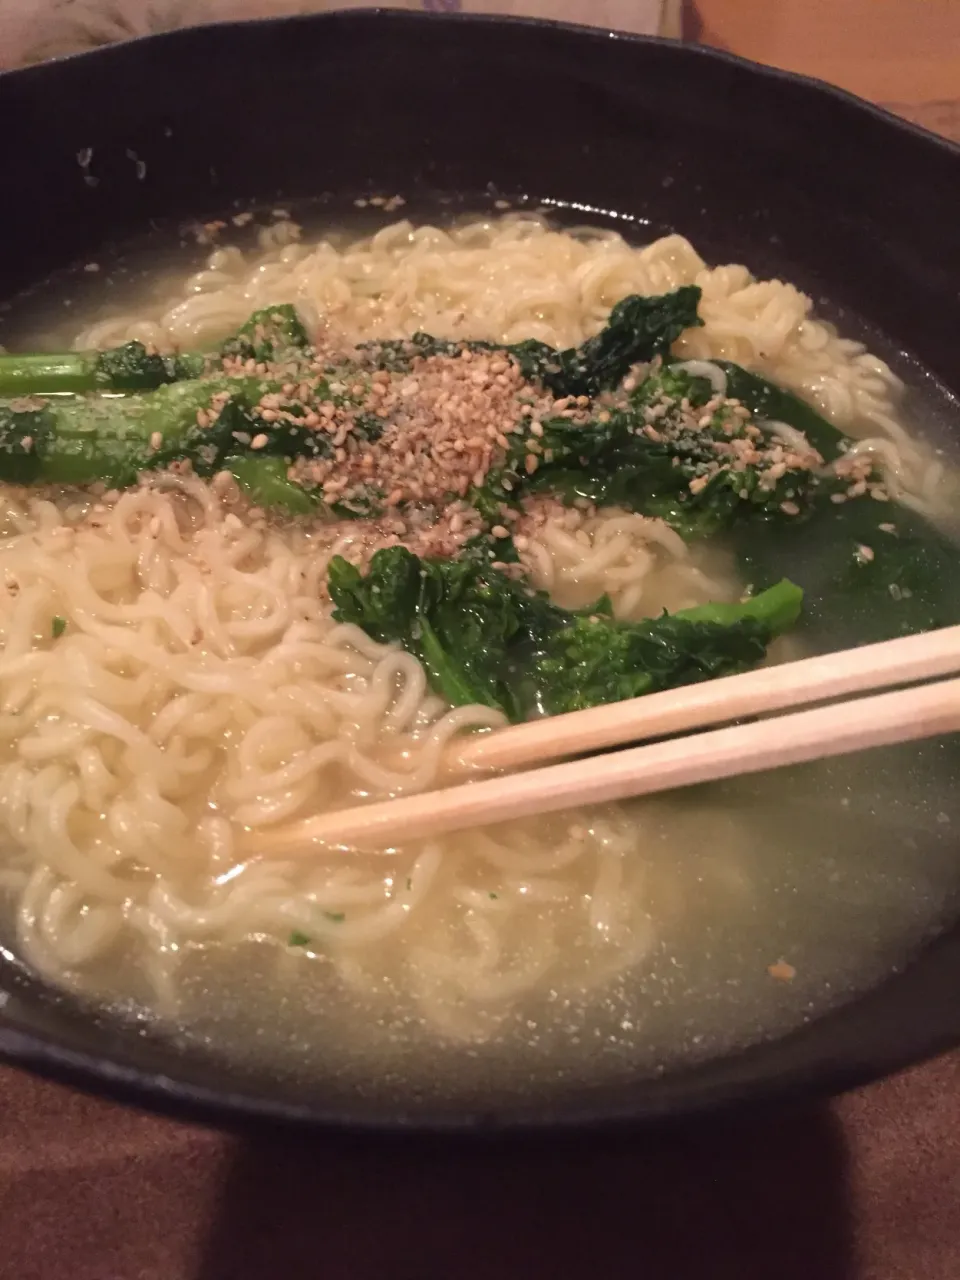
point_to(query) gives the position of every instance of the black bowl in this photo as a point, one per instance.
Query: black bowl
(799, 179)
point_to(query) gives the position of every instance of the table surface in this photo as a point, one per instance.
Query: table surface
(860, 1189)
(904, 54)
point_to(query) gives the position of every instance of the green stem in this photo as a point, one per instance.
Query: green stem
(265, 482)
(778, 608)
(270, 334)
(31, 375)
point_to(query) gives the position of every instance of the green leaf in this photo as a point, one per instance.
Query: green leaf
(269, 335)
(639, 328)
(484, 637)
(767, 401)
(265, 482)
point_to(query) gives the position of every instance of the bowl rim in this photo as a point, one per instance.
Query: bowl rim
(47, 1056)
(413, 17)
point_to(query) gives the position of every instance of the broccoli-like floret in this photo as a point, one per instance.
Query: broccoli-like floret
(486, 637)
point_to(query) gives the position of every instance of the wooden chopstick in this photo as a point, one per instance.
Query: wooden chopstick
(831, 675)
(838, 729)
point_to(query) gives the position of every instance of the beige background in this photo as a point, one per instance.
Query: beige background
(31, 30)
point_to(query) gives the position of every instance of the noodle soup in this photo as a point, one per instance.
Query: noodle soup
(174, 683)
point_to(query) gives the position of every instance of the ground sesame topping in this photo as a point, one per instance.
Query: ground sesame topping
(421, 436)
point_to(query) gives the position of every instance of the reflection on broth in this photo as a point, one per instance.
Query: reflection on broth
(181, 521)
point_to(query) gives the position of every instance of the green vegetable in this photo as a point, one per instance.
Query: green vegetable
(79, 441)
(616, 461)
(24, 432)
(638, 329)
(264, 481)
(593, 660)
(777, 608)
(433, 607)
(130, 367)
(298, 939)
(337, 917)
(484, 637)
(270, 334)
(58, 627)
(768, 401)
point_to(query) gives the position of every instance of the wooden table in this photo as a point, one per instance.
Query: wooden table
(903, 54)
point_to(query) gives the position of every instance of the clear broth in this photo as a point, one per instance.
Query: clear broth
(840, 870)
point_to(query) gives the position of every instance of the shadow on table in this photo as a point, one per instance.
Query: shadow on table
(737, 1199)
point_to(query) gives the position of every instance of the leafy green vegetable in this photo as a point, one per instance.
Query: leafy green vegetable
(337, 917)
(58, 626)
(777, 609)
(130, 367)
(28, 375)
(133, 368)
(265, 482)
(271, 334)
(768, 401)
(485, 637)
(638, 329)
(298, 939)
(655, 455)
(78, 441)
(457, 616)
(25, 428)
(593, 660)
